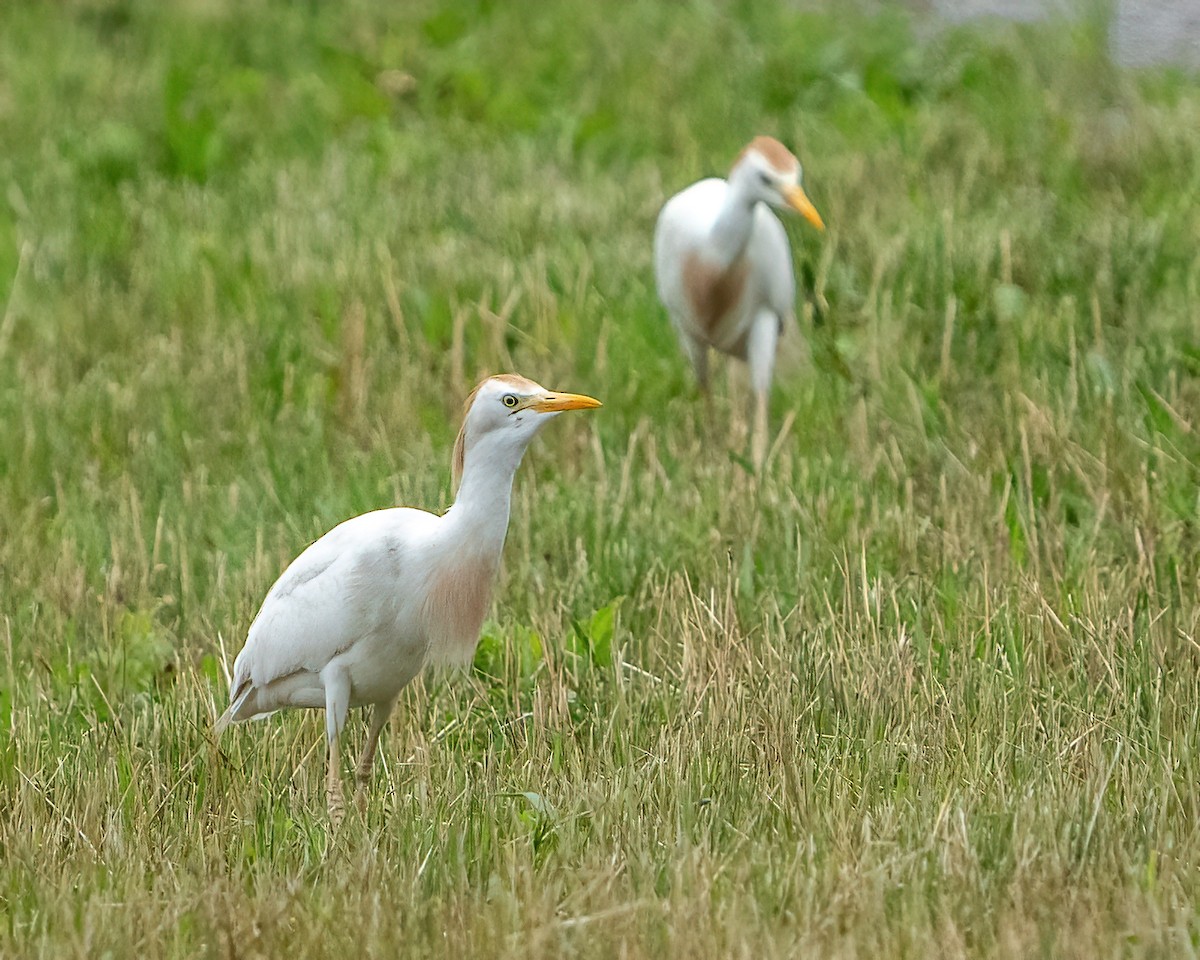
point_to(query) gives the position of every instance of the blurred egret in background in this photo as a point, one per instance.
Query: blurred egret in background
(723, 266)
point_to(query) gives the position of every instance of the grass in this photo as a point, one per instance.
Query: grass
(928, 687)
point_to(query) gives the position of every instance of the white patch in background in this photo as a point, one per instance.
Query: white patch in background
(1142, 33)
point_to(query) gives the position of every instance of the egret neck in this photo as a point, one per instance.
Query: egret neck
(480, 511)
(734, 224)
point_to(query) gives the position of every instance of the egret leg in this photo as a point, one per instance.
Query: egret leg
(698, 354)
(758, 440)
(760, 355)
(379, 718)
(337, 705)
(333, 786)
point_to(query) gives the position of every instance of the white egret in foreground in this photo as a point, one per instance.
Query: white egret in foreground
(724, 269)
(355, 617)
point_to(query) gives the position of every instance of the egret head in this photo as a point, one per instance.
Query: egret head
(505, 412)
(769, 172)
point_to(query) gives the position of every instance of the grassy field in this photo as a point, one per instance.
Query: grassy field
(927, 687)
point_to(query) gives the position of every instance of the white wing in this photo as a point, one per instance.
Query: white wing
(343, 588)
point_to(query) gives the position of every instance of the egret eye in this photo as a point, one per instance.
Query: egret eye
(764, 179)
(509, 400)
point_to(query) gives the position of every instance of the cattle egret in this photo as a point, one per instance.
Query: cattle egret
(724, 269)
(355, 617)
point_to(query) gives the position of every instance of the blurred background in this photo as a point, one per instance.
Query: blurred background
(254, 254)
